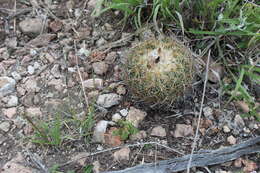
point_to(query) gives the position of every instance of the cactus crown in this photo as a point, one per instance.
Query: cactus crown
(159, 71)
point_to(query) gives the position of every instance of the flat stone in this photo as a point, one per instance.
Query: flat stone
(108, 100)
(135, 116)
(7, 86)
(99, 131)
(32, 26)
(139, 135)
(34, 112)
(183, 130)
(100, 68)
(5, 126)
(93, 83)
(10, 112)
(13, 101)
(158, 131)
(122, 154)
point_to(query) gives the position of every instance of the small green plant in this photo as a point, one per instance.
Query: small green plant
(240, 92)
(47, 133)
(126, 129)
(88, 169)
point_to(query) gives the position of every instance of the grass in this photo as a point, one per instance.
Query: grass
(55, 131)
(235, 24)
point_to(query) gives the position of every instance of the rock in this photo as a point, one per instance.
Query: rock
(226, 129)
(93, 83)
(140, 135)
(30, 69)
(116, 117)
(12, 101)
(108, 100)
(33, 112)
(32, 26)
(135, 116)
(55, 25)
(42, 40)
(10, 112)
(215, 73)
(208, 112)
(123, 112)
(246, 130)
(239, 122)
(7, 86)
(250, 166)
(101, 42)
(183, 130)
(99, 131)
(11, 43)
(100, 68)
(112, 139)
(16, 76)
(231, 140)
(111, 57)
(17, 165)
(55, 71)
(122, 154)
(31, 85)
(5, 126)
(243, 106)
(238, 163)
(158, 131)
(121, 90)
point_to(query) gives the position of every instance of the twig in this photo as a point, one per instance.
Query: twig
(199, 118)
(80, 76)
(118, 147)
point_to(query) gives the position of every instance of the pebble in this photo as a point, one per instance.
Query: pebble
(100, 68)
(246, 130)
(226, 129)
(31, 26)
(30, 69)
(121, 90)
(10, 112)
(108, 100)
(122, 154)
(135, 116)
(7, 86)
(183, 130)
(93, 83)
(239, 121)
(231, 140)
(208, 112)
(158, 131)
(16, 76)
(139, 135)
(101, 42)
(13, 101)
(5, 126)
(116, 117)
(124, 112)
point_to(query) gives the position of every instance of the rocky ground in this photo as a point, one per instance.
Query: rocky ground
(55, 59)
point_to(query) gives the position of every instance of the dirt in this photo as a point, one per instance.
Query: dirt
(51, 86)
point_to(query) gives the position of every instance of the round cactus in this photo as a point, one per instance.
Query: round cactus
(159, 72)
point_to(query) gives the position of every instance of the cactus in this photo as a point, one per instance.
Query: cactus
(159, 72)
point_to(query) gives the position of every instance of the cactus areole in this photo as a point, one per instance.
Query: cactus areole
(158, 72)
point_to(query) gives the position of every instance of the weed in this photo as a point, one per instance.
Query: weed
(88, 169)
(126, 129)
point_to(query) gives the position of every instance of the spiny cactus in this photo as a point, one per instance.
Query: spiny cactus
(159, 72)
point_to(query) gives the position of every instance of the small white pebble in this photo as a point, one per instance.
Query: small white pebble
(226, 129)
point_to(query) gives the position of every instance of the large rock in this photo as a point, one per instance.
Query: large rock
(7, 86)
(108, 100)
